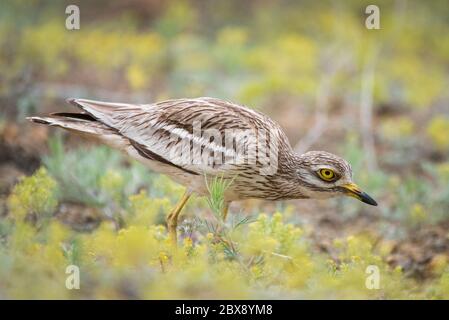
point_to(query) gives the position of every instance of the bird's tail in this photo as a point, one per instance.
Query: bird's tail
(81, 123)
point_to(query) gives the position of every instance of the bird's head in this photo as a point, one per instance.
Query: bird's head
(324, 175)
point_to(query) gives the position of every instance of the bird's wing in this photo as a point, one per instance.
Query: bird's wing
(191, 134)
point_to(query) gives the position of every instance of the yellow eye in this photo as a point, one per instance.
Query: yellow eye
(326, 174)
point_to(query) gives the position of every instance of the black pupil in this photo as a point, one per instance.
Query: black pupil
(327, 173)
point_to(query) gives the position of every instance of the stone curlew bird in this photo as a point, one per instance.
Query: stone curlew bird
(193, 140)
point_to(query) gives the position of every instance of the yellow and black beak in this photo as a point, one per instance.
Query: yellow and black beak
(353, 190)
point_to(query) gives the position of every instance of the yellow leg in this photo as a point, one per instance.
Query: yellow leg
(224, 214)
(172, 218)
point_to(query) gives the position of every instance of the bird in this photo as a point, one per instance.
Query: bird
(194, 140)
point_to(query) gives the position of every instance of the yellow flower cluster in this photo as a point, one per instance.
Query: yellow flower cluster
(35, 195)
(437, 130)
(139, 261)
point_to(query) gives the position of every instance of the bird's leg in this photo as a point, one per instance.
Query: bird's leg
(172, 218)
(224, 213)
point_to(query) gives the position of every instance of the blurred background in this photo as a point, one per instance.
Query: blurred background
(378, 98)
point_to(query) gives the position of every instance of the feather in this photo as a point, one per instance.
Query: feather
(187, 137)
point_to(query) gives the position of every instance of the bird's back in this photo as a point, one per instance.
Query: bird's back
(190, 138)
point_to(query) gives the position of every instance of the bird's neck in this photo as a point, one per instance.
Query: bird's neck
(289, 162)
(285, 180)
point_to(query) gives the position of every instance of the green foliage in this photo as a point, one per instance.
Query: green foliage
(234, 56)
(442, 288)
(411, 199)
(217, 188)
(94, 176)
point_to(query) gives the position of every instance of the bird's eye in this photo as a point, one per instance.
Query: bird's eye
(327, 174)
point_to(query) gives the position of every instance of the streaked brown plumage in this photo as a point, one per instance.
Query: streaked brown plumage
(192, 140)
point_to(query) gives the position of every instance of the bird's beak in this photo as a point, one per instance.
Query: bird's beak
(353, 190)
